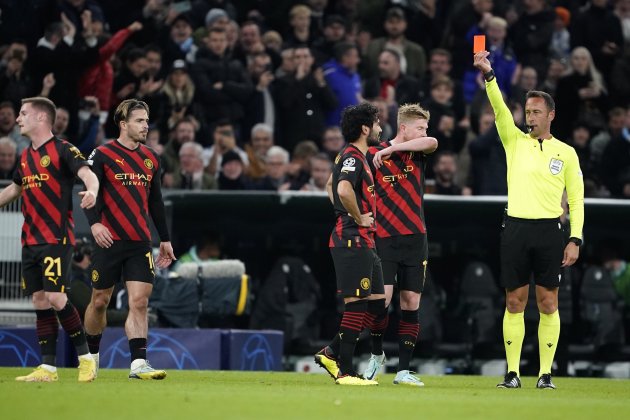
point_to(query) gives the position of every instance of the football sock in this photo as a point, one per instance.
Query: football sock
(94, 342)
(71, 323)
(138, 348)
(47, 328)
(351, 327)
(378, 317)
(548, 334)
(408, 329)
(513, 334)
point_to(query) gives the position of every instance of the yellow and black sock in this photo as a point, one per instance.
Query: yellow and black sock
(513, 334)
(548, 334)
(408, 330)
(71, 323)
(349, 330)
(377, 317)
(47, 328)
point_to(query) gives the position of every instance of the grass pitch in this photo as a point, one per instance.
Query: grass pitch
(192, 395)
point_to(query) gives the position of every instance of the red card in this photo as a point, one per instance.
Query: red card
(479, 43)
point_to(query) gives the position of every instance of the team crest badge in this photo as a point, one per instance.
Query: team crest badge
(94, 276)
(148, 163)
(44, 161)
(555, 166)
(365, 283)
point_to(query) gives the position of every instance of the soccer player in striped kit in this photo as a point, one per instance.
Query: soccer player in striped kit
(357, 267)
(44, 178)
(401, 235)
(129, 173)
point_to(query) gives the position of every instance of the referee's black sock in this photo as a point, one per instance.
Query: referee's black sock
(377, 312)
(71, 323)
(47, 328)
(351, 327)
(408, 330)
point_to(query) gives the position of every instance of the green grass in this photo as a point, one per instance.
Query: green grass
(191, 395)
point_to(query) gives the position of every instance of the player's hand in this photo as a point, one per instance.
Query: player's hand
(481, 61)
(88, 199)
(380, 156)
(365, 220)
(166, 256)
(102, 236)
(571, 254)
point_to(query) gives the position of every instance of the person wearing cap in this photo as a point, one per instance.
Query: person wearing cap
(232, 175)
(180, 44)
(175, 98)
(334, 32)
(217, 18)
(561, 37)
(413, 58)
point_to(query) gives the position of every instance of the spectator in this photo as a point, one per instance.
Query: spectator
(413, 59)
(180, 44)
(183, 132)
(15, 81)
(224, 141)
(217, 18)
(488, 166)
(580, 140)
(318, 23)
(9, 127)
(444, 125)
(62, 117)
(620, 95)
(153, 54)
(232, 174)
(391, 84)
(341, 74)
(207, 248)
(440, 66)
(273, 41)
(445, 170)
(333, 142)
(98, 79)
(8, 158)
(581, 95)
(302, 98)
(261, 141)
(299, 168)
(501, 56)
(128, 81)
(384, 112)
(619, 271)
(622, 11)
(175, 98)
(276, 162)
(300, 26)
(599, 30)
(615, 165)
(191, 174)
(250, 43)
(531, 35)
(561, 38)
(221, 82)
(321, 169)
(334, 32)
(260, 106)
(557, 68)
(616, 120)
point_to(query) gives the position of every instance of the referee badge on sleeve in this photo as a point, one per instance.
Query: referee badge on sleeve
(555, 166)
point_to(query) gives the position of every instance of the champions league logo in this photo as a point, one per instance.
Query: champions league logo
(161, 350)
(15, 351)
(257, 354)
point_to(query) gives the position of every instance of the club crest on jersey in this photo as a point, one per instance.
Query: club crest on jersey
(148, 163)
(94, 276)
(44, 161)
(365, 283)
(348, 165)
(555, 166)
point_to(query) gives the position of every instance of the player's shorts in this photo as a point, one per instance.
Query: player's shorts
(359, 272)
(531, 247)
(46, 267)
(124, 260)
(404, 259)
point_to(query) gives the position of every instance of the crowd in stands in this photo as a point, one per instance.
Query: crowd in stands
(247, 94)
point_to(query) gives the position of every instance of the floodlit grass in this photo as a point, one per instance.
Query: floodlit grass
(195, 395)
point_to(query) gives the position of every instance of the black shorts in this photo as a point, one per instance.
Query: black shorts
(531, 247)
(46, 267)
(404, 259)
(359, 272)
(124, 260)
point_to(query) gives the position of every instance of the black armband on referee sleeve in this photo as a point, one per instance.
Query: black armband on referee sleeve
(489, 75)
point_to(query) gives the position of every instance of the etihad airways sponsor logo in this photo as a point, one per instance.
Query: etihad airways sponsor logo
(130, 178)
(34, 181)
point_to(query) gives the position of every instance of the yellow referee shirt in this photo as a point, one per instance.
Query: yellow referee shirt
(537, 175)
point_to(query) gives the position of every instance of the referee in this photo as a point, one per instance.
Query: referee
(539, 169)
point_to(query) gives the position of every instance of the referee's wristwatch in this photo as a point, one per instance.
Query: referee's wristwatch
(576, 241)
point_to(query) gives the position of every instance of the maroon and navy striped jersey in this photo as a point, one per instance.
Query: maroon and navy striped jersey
(130, 191)
(47, 175)
(399, 186)
(351, 165)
